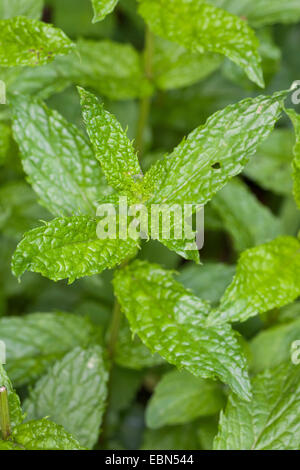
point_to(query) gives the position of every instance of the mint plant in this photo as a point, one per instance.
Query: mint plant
(107, 319)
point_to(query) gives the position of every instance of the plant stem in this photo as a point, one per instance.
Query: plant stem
(145, 102)
(4, 414)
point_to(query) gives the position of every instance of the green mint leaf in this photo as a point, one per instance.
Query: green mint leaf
(174, 66)
(267, 277)
(110, 68)
(271, 421)
(295, 118)
(35, 341)
(247, 221)
(172, 322)
(208, 281)
(201, 27)
(24, 41)
(15, 411)
(41, 81)
(181, 397)
(102, 8)
(262, 12)
(131, 353)
(112, 146)
(273, 346)
(44, 435)
(73, 393)
(30, 8)
(69, 248)
(57, 158)
(9, 445)
(212, 154)
(271, 168)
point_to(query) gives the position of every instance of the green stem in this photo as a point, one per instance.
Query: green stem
(145, 103)
(4, 414)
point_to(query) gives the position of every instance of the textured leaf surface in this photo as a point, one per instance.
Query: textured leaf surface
(271, 168)
(208, 281)
(274, 346)
(57, 158)
(112, 146)
(174, 66)
(295, 118)
(9, 445)
(73, 394)
(44, 435)
(201, 27)
(14, 404)
(262, 12)
(172, 322)
(69, 248)
(181, 397)
(247, 221)
(212, 154)
(24, 41)
(131, 352)
(35, 341)
(271, 421)
(30, 8)
(267, 277)
(102, 8)
(112, 69)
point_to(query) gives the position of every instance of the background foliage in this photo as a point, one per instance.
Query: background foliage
(165, 353)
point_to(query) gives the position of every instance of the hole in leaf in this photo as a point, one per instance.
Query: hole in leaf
(216, 166)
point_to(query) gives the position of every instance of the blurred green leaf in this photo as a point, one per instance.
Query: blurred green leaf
(181, 397)
(73, 393)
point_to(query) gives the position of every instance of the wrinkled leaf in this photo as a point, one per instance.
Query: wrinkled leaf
(271, 421)
(69, 248)
(212, 154)
(113, 149)
(24, 41)
(267, 277)
(201, 27)
(57, 158)
(44, 435)
(172, 322)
